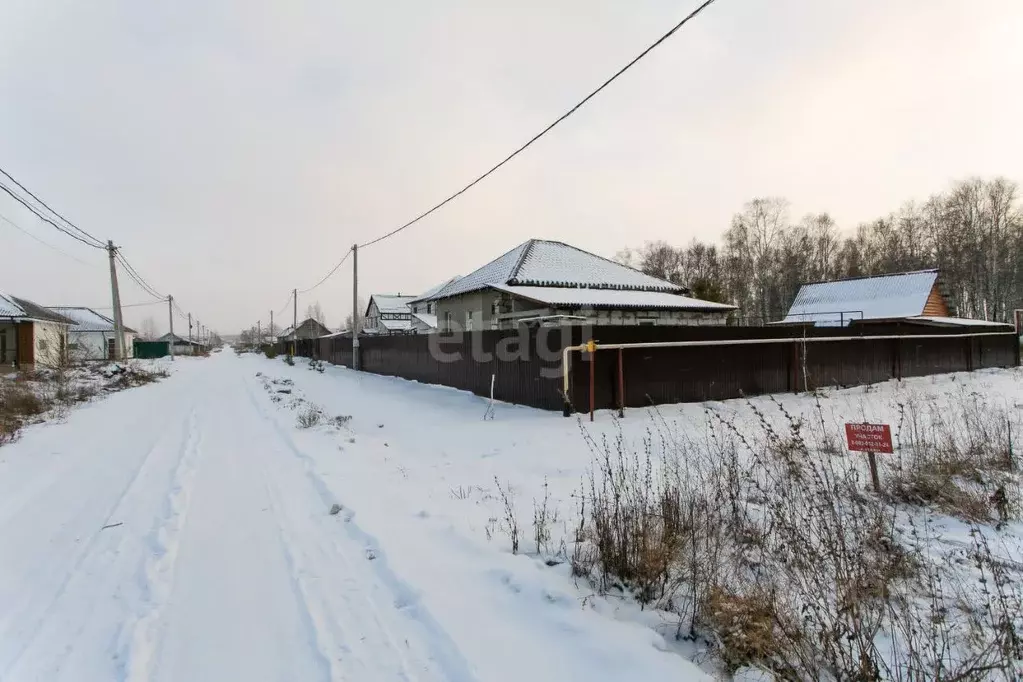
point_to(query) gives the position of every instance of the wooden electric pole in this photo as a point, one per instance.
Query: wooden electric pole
(355, 307)
(116, 295)
(294, 322)
(170, 316)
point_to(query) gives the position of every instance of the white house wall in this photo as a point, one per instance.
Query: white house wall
(49, 339)
(88, 346)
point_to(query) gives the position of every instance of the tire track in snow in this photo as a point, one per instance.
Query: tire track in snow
(163, 540)
(92, 551)
(425, 653)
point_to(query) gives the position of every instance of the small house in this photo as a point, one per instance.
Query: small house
(31, 335)
(549, 282)
(893, 297)
(93, 337)
(181, 346)
(307, 329)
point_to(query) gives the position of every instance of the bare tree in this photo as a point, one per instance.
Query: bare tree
(315, 312)
(348, 319)
(973, 234)
(147, 330)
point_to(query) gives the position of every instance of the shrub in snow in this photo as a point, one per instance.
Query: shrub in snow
(510, 522)
(309, 417)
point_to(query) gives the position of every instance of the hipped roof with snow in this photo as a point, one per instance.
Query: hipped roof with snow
(542, 263)
(87, 319)
(21, 310)
(902, 294)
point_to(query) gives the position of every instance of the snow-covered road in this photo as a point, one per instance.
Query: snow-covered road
(181, 531)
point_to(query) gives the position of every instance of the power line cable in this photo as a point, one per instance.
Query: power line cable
(142, 285)
(45, 205)
(328, 275)
(39, 215)
(285, 306)
(546, 130)
(126, 305)
(44, 243)
(134, 274)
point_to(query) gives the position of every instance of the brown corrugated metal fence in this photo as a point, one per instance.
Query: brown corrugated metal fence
(526, 363)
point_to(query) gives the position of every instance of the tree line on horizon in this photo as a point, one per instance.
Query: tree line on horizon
(973, 234)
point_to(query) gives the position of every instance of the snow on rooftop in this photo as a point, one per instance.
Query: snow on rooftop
(8, 308)
(543, 263)
(392, 303)
(396, 325)
(613, 298)
(556, 264)
(961, 322)
(432, 291)
(426, 318)
(885, 296)
(15, 307)
(87, 319)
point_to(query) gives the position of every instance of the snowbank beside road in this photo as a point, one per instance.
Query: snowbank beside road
(425, 474)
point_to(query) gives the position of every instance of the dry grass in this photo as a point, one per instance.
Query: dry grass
(769, 546)
(959, 459)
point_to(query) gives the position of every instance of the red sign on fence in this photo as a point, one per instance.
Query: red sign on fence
(869, 437)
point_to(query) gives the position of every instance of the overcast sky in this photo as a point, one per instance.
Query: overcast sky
(236, 149)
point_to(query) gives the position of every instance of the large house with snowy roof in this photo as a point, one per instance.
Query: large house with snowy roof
(30, 334)
(914, 297)
(548, 282)
(93, 336)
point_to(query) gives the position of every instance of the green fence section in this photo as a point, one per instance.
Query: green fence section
(148, 350)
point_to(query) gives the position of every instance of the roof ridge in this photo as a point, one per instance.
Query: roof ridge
(522, 257)
(666, 286)
(882, 275)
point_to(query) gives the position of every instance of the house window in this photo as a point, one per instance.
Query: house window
(447, 320)
(495, 308)
(468, 320)
(429, 308)
(112, 349)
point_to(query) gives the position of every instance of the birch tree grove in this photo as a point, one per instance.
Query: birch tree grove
(973, 233)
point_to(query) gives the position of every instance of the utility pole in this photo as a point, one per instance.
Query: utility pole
(170, 316)
(189, 329)
(259, 333)
(271, 327)
(355, 307)
(116, 295)
(294, 323)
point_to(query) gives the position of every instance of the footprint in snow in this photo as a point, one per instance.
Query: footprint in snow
(370, 554)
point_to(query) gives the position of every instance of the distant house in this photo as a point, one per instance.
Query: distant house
(388, 314)
(898, 296)
(180, 345)
(31, 335)
(93, 336)
(548, 282)
(307, 329)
